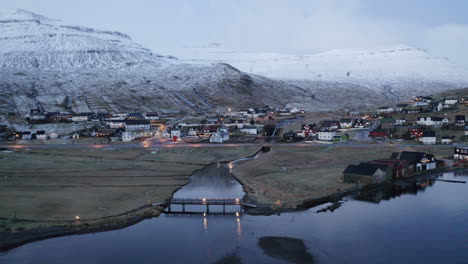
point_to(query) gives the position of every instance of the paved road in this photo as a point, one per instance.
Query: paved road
(150, 145)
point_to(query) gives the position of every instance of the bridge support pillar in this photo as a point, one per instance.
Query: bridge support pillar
(207, 208)
(183, 207)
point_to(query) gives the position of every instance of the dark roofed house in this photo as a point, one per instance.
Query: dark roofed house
(364, 174)
(41, 135)
(460, 120)
(152, 116)
(135, 116)
(290, 136)
(132, 125)
(417, 161)
(460, 153)
(388, 123)
(330, 125)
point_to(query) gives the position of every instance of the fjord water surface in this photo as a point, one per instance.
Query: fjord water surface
(423, 223)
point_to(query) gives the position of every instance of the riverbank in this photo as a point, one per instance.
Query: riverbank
(293, 178)
(42, 191)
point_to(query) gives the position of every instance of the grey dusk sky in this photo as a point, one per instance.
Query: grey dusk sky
(298, 27)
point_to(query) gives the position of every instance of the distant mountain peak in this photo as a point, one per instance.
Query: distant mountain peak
(16, 14)
(29, 40)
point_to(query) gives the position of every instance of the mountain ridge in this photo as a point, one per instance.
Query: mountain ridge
(99, 70)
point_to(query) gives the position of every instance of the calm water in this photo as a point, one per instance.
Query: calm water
(418, 224)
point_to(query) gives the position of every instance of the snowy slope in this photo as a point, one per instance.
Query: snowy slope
(43, 59)
(405, 70)
(33, 41)
(369, 65)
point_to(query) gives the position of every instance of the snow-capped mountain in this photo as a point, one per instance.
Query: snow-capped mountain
(47, 63)
(401, 70)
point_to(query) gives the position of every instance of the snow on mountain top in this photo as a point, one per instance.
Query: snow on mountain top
(14, 15)
(28, 40)
(371, 66)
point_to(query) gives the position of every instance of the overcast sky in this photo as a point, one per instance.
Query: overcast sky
(299, 26)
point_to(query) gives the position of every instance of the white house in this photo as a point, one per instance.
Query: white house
(451, 101)
(26, 135)
(385, 109)
(41, 135)
(437, 106)
(446, 140)
(419, 104)
(116, 123)
(346, 123)
(151, 116)
(432, 121)
(219, 137)
(400, 121)
(37, 116)
(428, 138)
(326, 135)
(284, 112)
(192, 132)
(79, 118)
(76, 136)
(127, 136)
(251, 130)
(53, 135)
(175, 132)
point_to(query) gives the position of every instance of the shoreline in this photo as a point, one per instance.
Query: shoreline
(305, 204)
(11, 240)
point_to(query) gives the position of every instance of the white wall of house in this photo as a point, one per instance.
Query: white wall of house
(216, 138)
(79, 118)
(428, 140)
(175, 133)
(127, 136)
(41, 137)
(326, 135)
(137, 127)
(446, 141)
(249, 130)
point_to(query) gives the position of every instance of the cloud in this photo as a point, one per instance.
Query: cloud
(448, 40)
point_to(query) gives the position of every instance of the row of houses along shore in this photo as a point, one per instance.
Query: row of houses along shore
(242, 124)
(401, 165)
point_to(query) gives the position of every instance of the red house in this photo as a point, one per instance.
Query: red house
(308, 129)
(416, 132)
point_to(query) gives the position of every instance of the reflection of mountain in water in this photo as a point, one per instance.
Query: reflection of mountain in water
(390, 191)
(285, 248)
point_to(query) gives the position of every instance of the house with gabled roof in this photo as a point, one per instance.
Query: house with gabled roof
(417, 161)
(364, 174)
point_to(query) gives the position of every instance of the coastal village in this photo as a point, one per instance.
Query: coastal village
(424, 120)
(421, 121)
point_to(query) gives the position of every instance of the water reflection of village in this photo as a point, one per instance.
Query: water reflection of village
(397, 189)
